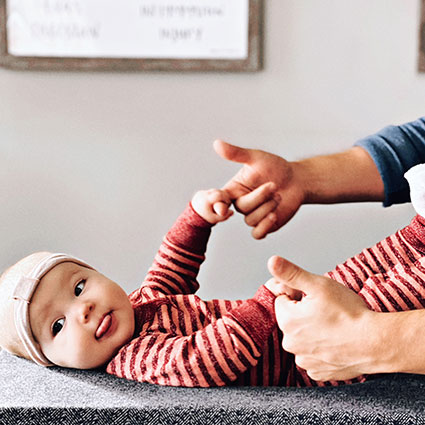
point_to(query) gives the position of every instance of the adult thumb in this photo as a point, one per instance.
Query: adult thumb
(232, 152)
(291, 275)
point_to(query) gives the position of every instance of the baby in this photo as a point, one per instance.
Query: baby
(60, 311)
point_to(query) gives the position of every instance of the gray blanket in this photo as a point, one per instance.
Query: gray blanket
(30, 394)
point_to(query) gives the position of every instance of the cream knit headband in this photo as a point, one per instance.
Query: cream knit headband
(24, 290)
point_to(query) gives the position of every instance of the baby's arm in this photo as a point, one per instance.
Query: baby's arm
(181, 253)
(177, 262)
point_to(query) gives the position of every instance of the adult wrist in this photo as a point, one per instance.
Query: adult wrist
(383, 343)
(341, 177)
(313, 178)
(302, 178)
(401, 342)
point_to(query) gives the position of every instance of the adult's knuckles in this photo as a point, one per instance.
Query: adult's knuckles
(250, 221)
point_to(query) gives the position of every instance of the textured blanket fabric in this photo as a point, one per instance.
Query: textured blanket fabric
(30, 394)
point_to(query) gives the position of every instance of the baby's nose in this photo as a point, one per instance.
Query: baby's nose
(85, 310)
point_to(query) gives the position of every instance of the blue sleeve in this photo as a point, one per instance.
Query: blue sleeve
(395, 149)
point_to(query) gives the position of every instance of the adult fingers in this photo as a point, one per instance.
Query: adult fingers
(232, 152)
(292, 275)
(237, 185)
(253, 199)
(265, 226)
(254, 217)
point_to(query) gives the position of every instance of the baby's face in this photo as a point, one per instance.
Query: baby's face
(80, 318)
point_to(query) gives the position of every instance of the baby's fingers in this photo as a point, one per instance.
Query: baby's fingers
(220, 202)
(279, 288)
(221, 208)
(222, 211)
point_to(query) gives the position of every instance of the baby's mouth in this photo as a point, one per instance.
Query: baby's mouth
(104, 325)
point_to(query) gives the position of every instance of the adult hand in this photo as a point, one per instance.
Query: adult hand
(349, 176)
(329, 329)
(260, 167)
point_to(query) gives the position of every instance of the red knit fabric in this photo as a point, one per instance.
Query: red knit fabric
(182, 340)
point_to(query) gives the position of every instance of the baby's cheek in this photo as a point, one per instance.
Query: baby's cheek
(75, 353)
(88, 356)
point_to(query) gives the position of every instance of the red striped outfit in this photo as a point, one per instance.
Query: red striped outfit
(181, 340)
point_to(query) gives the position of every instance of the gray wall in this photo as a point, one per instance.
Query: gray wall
(100, 164)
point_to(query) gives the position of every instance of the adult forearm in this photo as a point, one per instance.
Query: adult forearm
(343, 177)
(398, 343)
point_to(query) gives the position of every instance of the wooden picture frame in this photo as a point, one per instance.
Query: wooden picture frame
(421, 55)
(253, 61)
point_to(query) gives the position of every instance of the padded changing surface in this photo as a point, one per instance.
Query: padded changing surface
(32, 394)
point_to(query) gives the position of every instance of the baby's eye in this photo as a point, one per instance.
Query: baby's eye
(57, 326)
(79, 287)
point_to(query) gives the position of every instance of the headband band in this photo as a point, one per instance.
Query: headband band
(23, 294)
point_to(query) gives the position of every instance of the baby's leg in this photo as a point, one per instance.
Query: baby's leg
(390, 276)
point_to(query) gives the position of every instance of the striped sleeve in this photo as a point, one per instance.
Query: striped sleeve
(177, 262)
(213, 356)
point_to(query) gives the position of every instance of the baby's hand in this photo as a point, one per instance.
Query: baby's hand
(212, 205)
(279, 288)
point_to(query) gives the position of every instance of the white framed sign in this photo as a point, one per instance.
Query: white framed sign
(131, 34)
